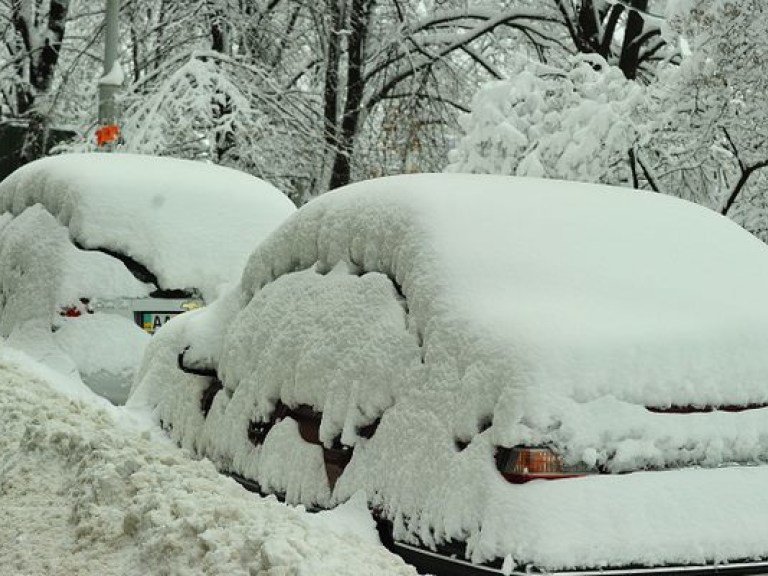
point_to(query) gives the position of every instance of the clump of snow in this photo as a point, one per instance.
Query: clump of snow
(468, 312)
(351, 517)
(313, 332)
(210, 328)
(115, 76)
(32, 248)
(192, 224)
(35, 339)
(87, 490)
(5, 218)
(574, 124)
(63, 385)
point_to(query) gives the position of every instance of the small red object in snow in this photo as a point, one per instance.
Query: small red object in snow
(71, 312)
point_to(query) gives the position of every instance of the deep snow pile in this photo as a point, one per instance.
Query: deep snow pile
(85, 488)
(486, 311)
(192, 224)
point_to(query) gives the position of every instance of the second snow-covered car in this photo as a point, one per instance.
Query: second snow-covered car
(520, 375)
(99, 250)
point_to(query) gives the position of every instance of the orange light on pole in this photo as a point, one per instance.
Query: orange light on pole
(107, 134)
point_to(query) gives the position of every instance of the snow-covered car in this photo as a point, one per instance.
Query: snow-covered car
(99, 250)
(520, 375)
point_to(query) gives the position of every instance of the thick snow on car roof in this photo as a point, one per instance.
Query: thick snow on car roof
(584, 289)
(468, 312)
(192, 224)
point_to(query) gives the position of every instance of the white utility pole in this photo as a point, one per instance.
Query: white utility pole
(112, 80)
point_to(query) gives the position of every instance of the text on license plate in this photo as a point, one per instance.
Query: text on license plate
(151, 321)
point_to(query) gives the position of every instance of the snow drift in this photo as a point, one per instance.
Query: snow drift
(86, 488)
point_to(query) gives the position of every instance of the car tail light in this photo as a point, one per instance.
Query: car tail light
(76, 310)
(70, 312)
(521, 464)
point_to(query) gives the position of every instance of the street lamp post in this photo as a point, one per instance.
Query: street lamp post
(112, 80)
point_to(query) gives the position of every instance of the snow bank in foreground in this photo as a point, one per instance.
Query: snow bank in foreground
(469, 312)
(85, 491)
(192, 224)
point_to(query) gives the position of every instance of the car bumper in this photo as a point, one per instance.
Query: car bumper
(430, 562)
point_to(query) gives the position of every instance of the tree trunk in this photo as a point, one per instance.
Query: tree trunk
(341, 173)
(42, 60)
(588, 24)
(331, 87)
(220, 42)
(35, 143)
(630, 49)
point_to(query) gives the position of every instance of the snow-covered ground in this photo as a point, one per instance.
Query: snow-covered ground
(89, 488)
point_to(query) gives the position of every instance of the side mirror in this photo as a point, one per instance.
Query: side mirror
(208, 372)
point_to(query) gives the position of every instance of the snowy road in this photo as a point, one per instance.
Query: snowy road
(86, 488)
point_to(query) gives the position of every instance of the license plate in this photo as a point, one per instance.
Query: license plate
(151, 321)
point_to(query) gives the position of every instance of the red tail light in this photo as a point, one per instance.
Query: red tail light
(76, 310)
(522, 464)
(70, 312)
